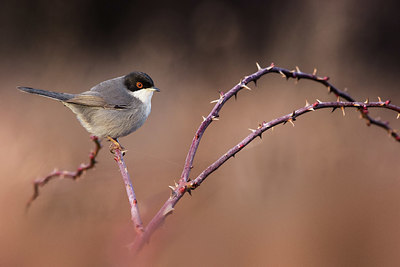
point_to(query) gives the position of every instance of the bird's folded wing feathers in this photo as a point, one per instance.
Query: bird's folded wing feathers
(93, 101)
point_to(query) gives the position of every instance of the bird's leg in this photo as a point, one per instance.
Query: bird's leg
(115, 145)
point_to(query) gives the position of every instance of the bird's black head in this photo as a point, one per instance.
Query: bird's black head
(138, 80)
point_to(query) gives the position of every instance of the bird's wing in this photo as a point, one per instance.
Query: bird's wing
(114, 93)
(110, 94)
(94, 100)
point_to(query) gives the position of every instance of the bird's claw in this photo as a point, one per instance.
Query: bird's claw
(116, 145)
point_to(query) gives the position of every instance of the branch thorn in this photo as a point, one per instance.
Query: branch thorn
(271, 66)
(246, 87)
(342, 108)
(258, 66)
(172, 188)
(310, 108)
(221, 96)
(168, 210)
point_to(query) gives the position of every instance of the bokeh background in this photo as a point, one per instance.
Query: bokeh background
(323, 193)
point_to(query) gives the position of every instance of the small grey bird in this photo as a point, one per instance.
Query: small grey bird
(111, 109)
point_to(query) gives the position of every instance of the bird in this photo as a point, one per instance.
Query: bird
(111, 109)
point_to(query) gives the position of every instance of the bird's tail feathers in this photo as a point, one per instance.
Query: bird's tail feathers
(49, 94)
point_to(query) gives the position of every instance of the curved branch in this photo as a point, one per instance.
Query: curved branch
(182, 188)
(66, 174)
(265, 126)
(295, 74)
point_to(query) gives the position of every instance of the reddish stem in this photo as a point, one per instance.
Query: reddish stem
(66, 174)
(135, 216)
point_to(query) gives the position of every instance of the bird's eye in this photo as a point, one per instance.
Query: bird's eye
(139, 85)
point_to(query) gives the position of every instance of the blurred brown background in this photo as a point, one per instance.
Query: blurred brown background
(324, 193)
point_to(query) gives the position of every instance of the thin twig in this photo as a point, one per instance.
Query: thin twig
(66, 174)
(135, 215)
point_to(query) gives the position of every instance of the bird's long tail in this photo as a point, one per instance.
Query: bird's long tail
(49, 94)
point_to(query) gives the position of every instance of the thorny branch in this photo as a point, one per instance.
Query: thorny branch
(295, 74)
(185, 185)
(66, 174)
(283, 120)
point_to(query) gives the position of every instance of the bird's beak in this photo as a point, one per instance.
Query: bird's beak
(154, 89)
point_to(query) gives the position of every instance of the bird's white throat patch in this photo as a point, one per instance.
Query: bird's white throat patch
(143, 95)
